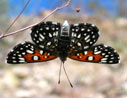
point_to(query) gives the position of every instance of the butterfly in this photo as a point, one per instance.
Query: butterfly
(74, 41)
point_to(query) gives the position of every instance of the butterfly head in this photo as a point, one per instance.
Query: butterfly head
(65, 29)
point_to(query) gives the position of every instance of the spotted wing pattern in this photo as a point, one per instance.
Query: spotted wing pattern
(45, 34)
(83, 35)
(29, 53)
(45, 37)
(96, 54)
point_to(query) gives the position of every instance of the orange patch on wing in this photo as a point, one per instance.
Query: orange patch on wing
(82, 57)
(43, 57)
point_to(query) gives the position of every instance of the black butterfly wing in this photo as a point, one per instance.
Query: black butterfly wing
(45, 34)
(96, 54)
(83, 35)
(29, 53)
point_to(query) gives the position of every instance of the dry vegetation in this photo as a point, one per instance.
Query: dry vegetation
(90, 80)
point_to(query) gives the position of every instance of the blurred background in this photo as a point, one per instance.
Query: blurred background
(39, 80)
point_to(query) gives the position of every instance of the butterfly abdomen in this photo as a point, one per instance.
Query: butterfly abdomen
(63, 47)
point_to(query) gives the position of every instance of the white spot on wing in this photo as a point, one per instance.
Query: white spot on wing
(86, 37)
(79, 36)
(57, 28)
(111, 61)
(37, 31)
(87, 40)
(35, 58)
(19, 55)
(37, 41)
(54, 23)
(77, 54)
(86, 47)
(50, 35)
(98, 52)
(35, 35)
(41, 46)
(88, 30)
(13, 57)
(41, 52)
(42, 36)
(93, 25)
(49, 43)
(76, 30)
(99, 33)
(75, 34)
(17, 51)
(76, 24)
(12, 50)
(106, 55)
(21, 60)
(84, 34)
(119, 61)
(105, 46)
(14, 54)
(90, 58)
(23, 53)
(79, 44)
(29, 51)
(104, 59)
(91, 42)
(85, 52)
(14, 61)
(112, 58)
(82, 29)
(53, 28)
(93, 36)
(45, 56)
(21, 48)
(41, 29)
(72, 34)
(40, 39)
(56, 33)
(103, 53)
(73, 29)
(47, 28)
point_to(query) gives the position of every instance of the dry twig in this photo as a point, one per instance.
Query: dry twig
(25, 28)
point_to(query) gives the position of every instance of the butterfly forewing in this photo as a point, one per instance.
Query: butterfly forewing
(29, 53)
(83, 35)
(96, 54)
(45, 34)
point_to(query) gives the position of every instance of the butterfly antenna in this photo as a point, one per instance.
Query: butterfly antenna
(67, 75)
(60, 73)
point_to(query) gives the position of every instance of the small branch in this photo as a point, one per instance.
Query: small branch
(20, 30)
(17, 17)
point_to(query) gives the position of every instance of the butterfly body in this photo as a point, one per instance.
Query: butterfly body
(64, 42)
(52, 40)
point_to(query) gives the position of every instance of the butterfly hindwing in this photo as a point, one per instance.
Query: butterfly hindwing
(83, 35)
(45, 34)
(96, 54)
(29, 53)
